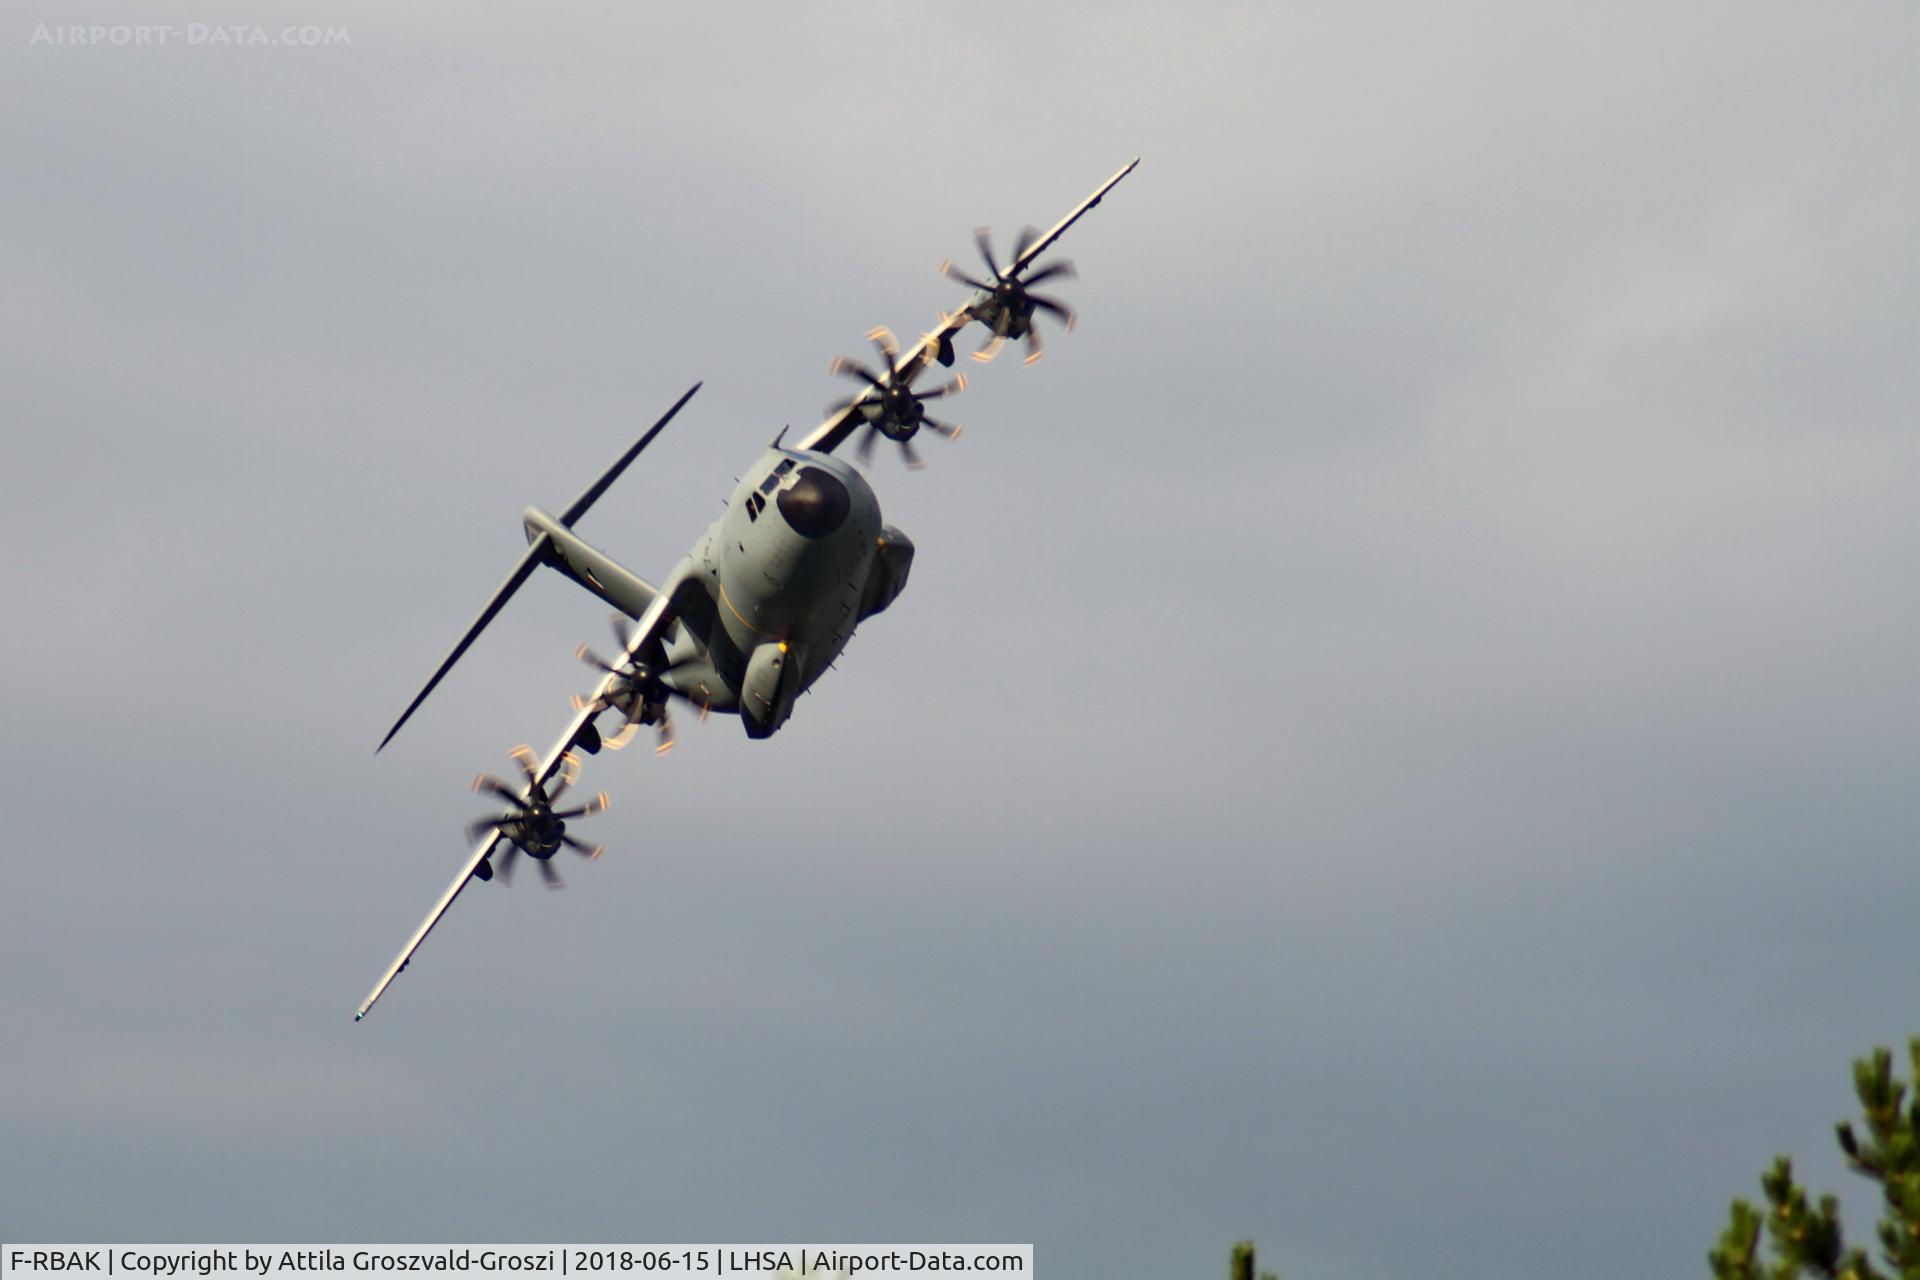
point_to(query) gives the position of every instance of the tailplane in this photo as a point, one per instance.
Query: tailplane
(542, 549)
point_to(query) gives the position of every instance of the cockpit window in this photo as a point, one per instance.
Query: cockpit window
(774, 476)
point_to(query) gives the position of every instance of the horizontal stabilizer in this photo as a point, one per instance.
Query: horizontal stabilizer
(521, 572)
(587, 565)
(540, 551)
(578, 507)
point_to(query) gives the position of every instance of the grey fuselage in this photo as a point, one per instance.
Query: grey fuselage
(773, 591)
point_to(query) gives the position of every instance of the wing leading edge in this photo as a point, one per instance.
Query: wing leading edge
(651, 625)
(832, 433)
(824, 438)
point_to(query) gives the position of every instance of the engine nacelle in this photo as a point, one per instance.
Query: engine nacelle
(888, 576)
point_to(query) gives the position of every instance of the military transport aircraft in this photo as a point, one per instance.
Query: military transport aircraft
(767, 597)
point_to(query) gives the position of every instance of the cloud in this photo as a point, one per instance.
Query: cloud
(1415, 686)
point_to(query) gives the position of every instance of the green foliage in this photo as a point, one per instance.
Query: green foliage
(1241, 1265)
(1806, 1239)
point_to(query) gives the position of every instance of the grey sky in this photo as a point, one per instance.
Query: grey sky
(1399, 742)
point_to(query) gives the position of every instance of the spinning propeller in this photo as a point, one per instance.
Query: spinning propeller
(639, 692)
(531, 824)
(641, 679)
(1008, 307)
(895, 410)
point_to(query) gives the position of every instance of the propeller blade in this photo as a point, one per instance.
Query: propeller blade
(589, 851)
(594, 660)
(1024, 242)
(864, 450)
(1051, 271)
(548, 874)
(848, 368)
(478, 830)
(504, 869)
(983, 241)
(953, 388)
(527, 760)
(1001, 323)
(1058, 310)
(486, 783)
(619, 740)
(665, 734)
(950, 430)
(1035, 349)
(912, 455)
(599, 804)
(958, 276)
(883, 342)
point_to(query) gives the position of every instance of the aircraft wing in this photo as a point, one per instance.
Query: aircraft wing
(652, 623)
(834, 432)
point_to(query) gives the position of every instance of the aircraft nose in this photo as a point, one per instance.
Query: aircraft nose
(816, 503)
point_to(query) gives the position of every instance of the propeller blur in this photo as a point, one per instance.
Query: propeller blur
(763, 602)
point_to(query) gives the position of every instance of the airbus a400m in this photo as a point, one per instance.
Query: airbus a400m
(766, 599)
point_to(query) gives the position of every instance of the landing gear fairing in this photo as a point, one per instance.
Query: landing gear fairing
(764, 601)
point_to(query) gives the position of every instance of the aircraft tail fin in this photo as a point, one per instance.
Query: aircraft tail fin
(537, 552)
